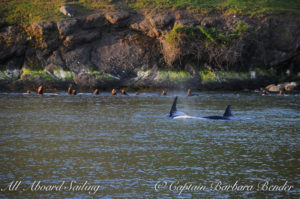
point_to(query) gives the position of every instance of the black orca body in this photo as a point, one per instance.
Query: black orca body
(226, 116)
(173, 112)
(173, 108)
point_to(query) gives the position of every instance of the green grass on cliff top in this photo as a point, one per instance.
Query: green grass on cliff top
(25, 12)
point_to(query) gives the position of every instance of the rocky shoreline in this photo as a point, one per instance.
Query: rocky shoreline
(232, 86)
(152, 49)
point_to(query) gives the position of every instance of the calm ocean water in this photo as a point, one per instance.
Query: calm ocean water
(125, 147)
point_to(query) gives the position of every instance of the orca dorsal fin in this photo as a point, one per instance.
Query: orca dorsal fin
(173, 108)
(227, 112)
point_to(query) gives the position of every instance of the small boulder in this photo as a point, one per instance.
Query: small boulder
(66, 10)
(67, 27)
(161, 20)
(290, 86)
(80, 38)
(116, 17)
(97, 20)
(275, 88)
(86, 80)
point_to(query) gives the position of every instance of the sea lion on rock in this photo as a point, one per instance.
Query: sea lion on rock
(40, 90)
(113, 92)
(96, 92)
(124, 92)
(69, 91)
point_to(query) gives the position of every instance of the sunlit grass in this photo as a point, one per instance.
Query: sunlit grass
(210, 35)
(232, 6)
(33, 75)
(207, 75)
(65, 75)
(101, 75)
(223, 76)
(174, 76)
(25, 12)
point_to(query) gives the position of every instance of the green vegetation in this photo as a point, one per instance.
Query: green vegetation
(25, 12)
(9, 74)
(95, 4)
(33, 75)
(182, 33)
(262, 72)
(223, 76)
(210, 35)
(241, 28)
(173, 76)
(210, 76)
(65, 75)
(248, 7)
(101, 76)
(207, 75)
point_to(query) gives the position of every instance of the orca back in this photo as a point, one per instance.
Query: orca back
(173, 108)
(227, 112)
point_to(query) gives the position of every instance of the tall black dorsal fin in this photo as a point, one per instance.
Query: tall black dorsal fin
(173, 109)
(227, 112)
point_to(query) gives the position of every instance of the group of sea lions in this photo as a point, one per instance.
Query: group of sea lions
(70, 91)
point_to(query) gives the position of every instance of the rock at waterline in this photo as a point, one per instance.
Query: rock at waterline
(288, 86)
(67, 11)
(275, 88)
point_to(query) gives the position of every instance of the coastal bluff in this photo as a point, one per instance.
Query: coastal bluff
(126, 48)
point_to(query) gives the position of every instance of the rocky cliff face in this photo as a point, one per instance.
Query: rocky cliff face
(123, 48)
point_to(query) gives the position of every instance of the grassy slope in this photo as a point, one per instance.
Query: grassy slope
(25, 12)
(180, 33)
(237, 6)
